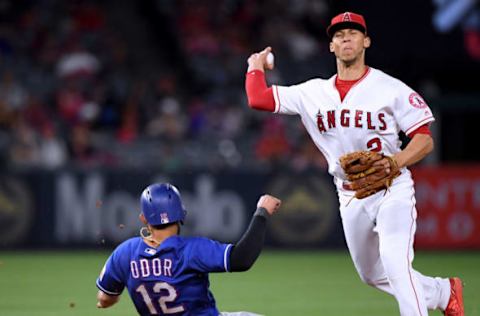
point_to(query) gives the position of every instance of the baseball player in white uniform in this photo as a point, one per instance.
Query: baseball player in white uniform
(362, 108)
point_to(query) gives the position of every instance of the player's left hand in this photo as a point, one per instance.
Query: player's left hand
(369, 172)
(104, 300)
(270, 203)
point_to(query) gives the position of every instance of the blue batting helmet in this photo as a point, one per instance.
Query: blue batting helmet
(161, 204)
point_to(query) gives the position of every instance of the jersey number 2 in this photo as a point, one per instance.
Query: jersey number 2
(172, 295)
(374, 144)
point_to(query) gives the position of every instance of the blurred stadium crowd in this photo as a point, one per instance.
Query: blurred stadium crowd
(89, 84)
(114, 83)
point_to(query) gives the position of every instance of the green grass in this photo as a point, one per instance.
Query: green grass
(281, 283)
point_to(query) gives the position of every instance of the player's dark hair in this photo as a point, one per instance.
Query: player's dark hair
(346, 25)
(163, 226)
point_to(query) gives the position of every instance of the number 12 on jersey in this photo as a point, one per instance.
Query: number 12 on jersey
(170, 296)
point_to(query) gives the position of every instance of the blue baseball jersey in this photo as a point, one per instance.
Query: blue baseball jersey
(171, 279)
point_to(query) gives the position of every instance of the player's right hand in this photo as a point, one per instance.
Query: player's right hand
(270, 203)
(258, 61)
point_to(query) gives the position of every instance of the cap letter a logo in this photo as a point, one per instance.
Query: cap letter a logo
(347, 17)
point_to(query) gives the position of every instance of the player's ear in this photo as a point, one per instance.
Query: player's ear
(331, 47)
(142, 218)
(367, 41)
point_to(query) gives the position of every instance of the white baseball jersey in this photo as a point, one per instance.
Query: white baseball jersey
(370, 117)
(379, 230)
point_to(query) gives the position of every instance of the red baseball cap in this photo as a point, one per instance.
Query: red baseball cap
(347, 20)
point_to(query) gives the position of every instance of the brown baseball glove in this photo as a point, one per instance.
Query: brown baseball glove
(365, 173)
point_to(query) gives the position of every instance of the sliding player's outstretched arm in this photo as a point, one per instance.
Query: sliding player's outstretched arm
(246, 251)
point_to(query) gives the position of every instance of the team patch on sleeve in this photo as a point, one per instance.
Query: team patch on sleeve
(417, 101)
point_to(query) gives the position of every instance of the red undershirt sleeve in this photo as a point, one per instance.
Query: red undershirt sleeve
(260, 97)
(424, 129)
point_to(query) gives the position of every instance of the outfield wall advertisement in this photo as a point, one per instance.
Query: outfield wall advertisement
(100, 208)
(448, 202)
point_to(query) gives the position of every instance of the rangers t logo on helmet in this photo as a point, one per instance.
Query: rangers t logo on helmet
(161, 204)
(164, 218)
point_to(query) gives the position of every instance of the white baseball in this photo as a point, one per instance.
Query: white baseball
(270, 59)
